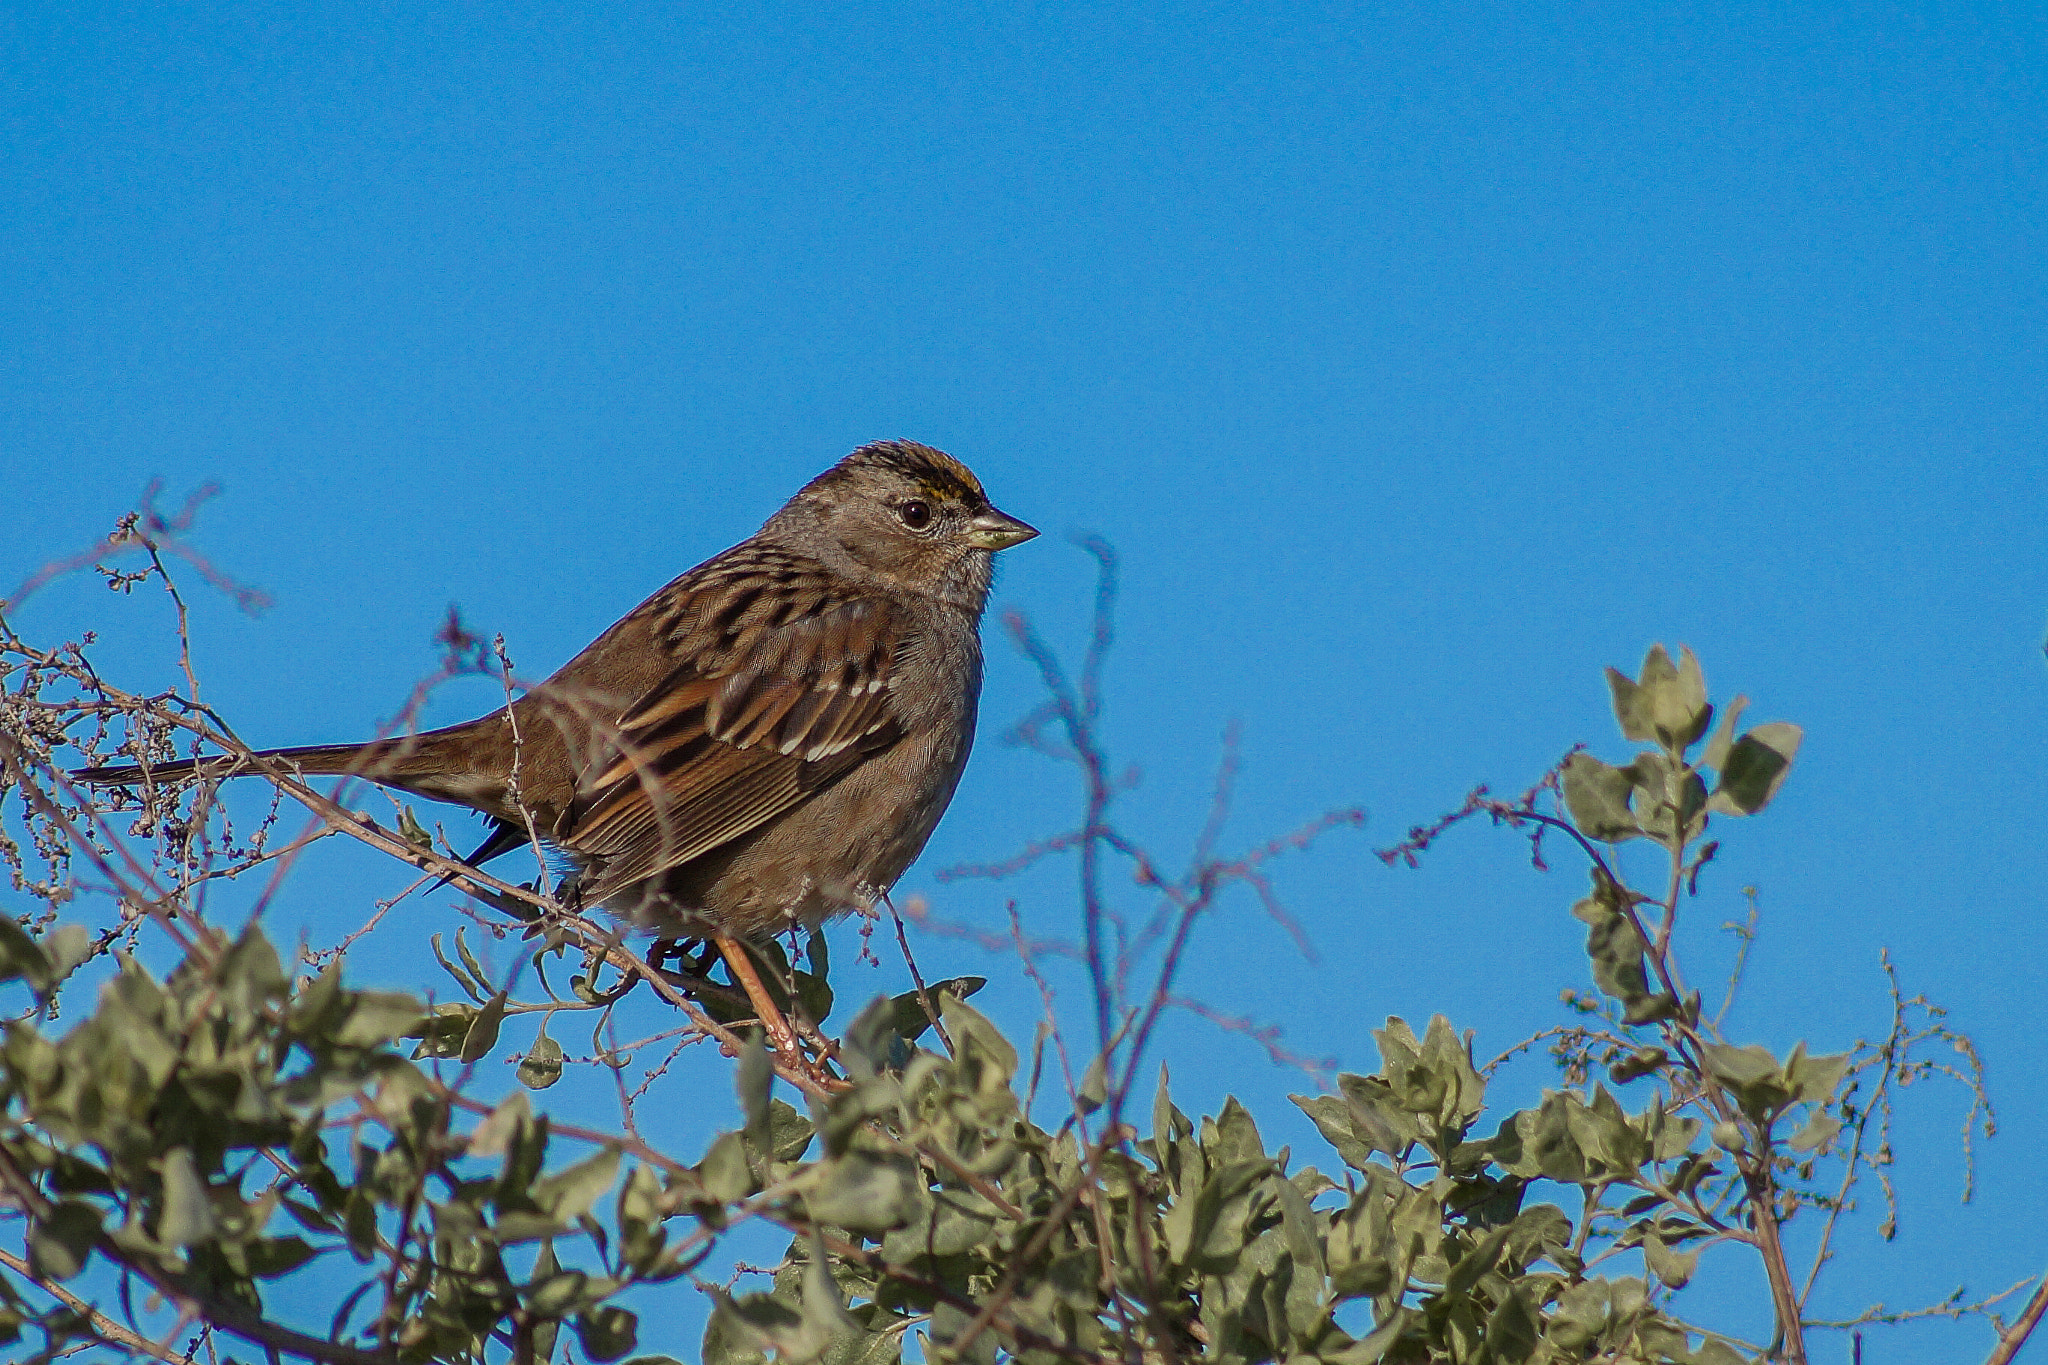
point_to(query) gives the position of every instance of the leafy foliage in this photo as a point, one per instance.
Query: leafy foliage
(235, 1122)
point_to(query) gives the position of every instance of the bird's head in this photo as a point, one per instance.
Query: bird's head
(907, 514)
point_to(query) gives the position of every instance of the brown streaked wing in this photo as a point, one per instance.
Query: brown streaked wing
(740, 735)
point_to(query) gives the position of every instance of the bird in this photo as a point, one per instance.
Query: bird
(766, 742)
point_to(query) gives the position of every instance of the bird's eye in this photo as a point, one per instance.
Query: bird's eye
(915, 514)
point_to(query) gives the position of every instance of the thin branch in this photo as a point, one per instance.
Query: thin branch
(229, 1317)
(924, 999)
(140, 527)
(2015, 1336)
(102, 1325)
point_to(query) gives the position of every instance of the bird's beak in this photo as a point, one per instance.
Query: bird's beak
(994, 530)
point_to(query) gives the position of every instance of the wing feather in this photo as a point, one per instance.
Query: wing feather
(777, 699)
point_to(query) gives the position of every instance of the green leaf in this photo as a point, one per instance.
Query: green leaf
(1670, 799)
(1298, 1222)
(59, 1245)
(1650, 1009)
(1683, 713)
(724, 1171)
(878, 1348)
(1756, 767)
(947, 1223)
(1728, 1136)
(744, 1329)
(1615, 949)
(948, 1324)
(319, 1005)
(1378, 1117)
(906, 1011)
(1209, 1228)
(1624, 689)
(987, 1056)
(483, 1030)
(250, 975)
(541, 1067)
(1666, 704)
(188, 1213)
(1358, 1247)
(735, 1336)
(864, 1191)
(1752, 1074)
(1237, 1134)
(1447, 1056)
(21, 956)
(1513, 1328)
(1476, 1262)
(412, 831)
(1603, 1132)
(359, 1223)
(491, 1136)
(641, 1202)
(1672, 1266)
(607, 1332)
(1819, 1128)
(1537, 1231)
(1579, 1315)
(1094, 1092)
(568, 1194)
(66, 946)
(1715, 755)
(1373, 1347)
(1814, 1079)
(871, 1044)
(1547, 1145)
(1169, 1125)
(565, 1292)
(377, 1017)
(442, 1030)
(814, 984)
(1597, 795)
(1637, 1064)
(473, 984)
(789, 1132)
(270, 1257)
(752, 1079)
(1670, 1136)
(1332, 1118)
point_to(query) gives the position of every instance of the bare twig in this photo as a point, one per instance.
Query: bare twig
(102, 1325)
(2015, 1336)
(146, 526)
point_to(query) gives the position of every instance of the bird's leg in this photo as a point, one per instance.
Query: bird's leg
(799, 1016)
(821, 1046)
(780, 1036)
(812, 1034)
(692, 972)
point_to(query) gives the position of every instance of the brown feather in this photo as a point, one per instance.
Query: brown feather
(777, 714)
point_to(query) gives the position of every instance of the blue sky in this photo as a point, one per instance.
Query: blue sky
(1419, 362)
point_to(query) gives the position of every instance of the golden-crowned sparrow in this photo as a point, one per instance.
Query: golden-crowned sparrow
(767, 741)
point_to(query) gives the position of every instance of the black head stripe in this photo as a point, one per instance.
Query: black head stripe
(942, 475)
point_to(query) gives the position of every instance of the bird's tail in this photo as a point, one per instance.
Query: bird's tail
(380, 760)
